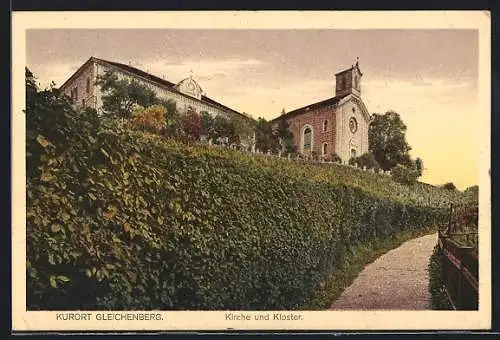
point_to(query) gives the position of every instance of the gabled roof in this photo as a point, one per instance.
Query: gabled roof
(138, 72)
(310, 107)
(152, 78)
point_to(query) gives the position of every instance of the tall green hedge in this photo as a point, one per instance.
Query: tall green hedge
(118, 219)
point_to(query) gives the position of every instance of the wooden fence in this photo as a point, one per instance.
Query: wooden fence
(458, 244)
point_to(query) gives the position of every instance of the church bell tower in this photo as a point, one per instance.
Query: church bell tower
(349, 81)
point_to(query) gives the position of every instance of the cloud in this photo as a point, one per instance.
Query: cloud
(202, 69)
(205, 70)
(268, 101)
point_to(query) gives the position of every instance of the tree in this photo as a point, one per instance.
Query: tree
(419, 165)
(387, 140)
(243, 128)
(51, 120)
(173, 119)
(449, 186)
(224, 128)
(208, 124)
(366, 160)
(121, 95)
(285, 136)
(403, 174)
(192, 125)
(150, 119)
(265, 139)
(472, 192)
(31, 87)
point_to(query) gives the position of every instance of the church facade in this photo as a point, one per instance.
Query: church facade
(187, 94)
(335, 125)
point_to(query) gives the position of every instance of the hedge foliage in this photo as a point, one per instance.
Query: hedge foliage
(121, 219)
(439, 299)
(404, 175)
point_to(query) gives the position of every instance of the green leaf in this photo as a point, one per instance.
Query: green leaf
(105, 153)
(53, 282)
(43, 141)
(46, 176)
(63, 278)
(55, 228)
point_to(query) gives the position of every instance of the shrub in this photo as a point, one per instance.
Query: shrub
(150, 119)
(449, 186)
(314, 156)
(404, 175)
(193, 125)
(336, 158)
(367, 160)
(472, 193)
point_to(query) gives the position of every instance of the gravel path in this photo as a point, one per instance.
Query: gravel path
(396, 280)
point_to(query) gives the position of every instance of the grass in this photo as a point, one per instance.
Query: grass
(355, 262)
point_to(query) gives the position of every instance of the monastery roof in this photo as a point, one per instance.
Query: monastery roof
(160, 81)
(138, 72)
(310, 107)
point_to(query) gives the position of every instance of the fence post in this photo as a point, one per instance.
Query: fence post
(450, 223)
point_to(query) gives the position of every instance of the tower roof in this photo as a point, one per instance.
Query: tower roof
(351, 68)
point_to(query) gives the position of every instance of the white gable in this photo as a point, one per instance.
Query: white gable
(352, 121)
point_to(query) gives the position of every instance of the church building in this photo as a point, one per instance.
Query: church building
(187, 94)
(335, 125)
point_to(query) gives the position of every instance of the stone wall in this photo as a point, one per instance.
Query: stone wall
(85, 98)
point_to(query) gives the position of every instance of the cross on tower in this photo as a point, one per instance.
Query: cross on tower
(191, 73)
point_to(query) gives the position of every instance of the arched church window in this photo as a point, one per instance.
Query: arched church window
(325, 149)
(307, 139)
(325, 125)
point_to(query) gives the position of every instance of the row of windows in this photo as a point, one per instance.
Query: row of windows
(307, 144)
(325, 127)
(324, 150)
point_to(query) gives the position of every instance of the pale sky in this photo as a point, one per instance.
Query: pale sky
(430, 77)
